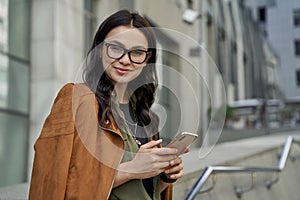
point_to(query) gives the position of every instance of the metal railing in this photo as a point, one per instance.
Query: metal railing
(213, 170)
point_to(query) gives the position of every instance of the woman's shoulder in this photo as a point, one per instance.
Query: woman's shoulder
(80, 87)
(75, 90)
(74, 93)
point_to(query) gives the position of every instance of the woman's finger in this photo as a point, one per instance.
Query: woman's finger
(176, 161)
(151, 144)
(177, 175)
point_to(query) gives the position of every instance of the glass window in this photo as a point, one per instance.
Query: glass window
(3, 80)
(90, 22)
(298, 77)
(221, 17)
(261, 12)
(13, 149)
(297, 47)
(233, 63)
(18, 28)
(18, 86)
(3, 25)
(14, 84)
(14, 90)
(296, 14)
(167, 56)
(232, 22)
(167, 98)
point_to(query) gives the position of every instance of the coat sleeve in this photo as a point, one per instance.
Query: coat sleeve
(53, 150)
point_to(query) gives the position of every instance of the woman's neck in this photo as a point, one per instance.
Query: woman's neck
(121, 91)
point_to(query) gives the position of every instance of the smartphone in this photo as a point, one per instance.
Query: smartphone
(182, 141)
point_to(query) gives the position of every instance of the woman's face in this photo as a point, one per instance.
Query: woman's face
(124, 69)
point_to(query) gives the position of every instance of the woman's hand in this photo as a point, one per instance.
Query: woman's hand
(148, 162)
(174, 170)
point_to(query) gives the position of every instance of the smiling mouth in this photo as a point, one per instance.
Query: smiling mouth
(122, 71)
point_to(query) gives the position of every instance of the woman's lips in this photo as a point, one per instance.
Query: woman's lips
(122, 71)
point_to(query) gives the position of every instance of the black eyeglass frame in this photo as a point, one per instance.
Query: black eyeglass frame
(125, 51)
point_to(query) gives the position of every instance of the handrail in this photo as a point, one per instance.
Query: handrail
(242, 169)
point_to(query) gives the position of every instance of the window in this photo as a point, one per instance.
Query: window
(14, 91)
(1, 21)
(297, 47)
(90, 20)
(261, 14)
(296, 14)
(298, 78)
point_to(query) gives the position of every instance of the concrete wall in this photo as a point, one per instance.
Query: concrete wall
(56, 56)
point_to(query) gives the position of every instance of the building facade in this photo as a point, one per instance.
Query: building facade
(280, 22)
(244, 58)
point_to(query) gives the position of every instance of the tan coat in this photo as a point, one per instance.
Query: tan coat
(74, 157)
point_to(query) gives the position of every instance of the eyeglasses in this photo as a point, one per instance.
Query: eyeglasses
(114, 51)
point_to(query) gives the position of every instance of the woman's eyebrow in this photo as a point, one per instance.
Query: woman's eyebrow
(122, 45)
(139, 47)
(116, 42)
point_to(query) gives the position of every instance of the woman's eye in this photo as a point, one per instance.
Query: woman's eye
(116, 48)
(137, 53)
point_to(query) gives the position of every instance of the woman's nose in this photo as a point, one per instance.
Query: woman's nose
(125, 59)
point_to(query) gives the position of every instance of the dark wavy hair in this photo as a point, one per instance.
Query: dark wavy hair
(143, 87)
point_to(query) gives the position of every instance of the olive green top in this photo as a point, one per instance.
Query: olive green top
(133, 189)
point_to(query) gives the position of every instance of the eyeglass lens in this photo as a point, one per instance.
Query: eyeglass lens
(117, 52)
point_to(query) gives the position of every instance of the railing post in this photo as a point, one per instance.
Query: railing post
(200, 182)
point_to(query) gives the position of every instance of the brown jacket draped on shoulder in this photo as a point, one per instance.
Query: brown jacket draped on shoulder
(75, 158)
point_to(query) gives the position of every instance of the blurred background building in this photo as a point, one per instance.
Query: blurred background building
(43, 45)
(279, 21)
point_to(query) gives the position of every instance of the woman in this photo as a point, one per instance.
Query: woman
(100, 139)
